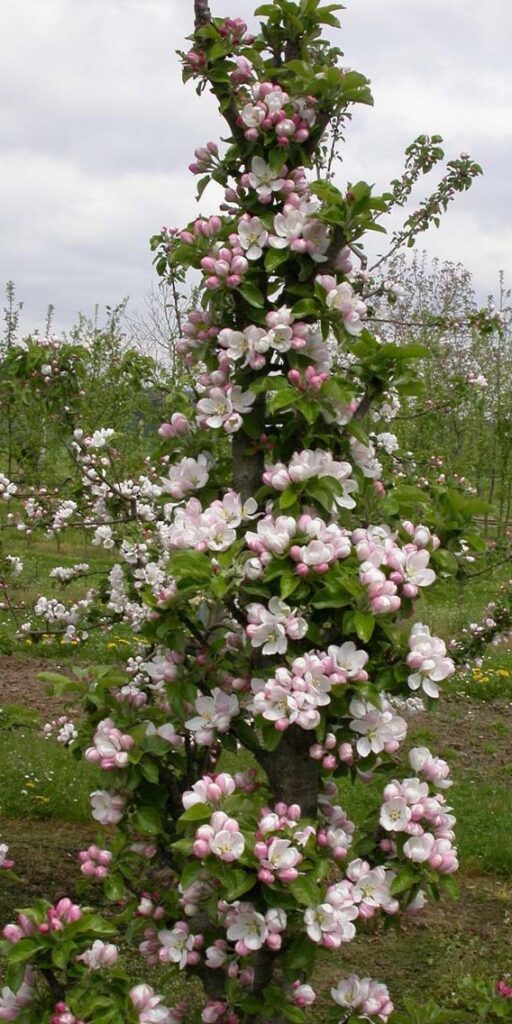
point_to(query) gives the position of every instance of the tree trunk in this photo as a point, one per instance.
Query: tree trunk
(202, 13)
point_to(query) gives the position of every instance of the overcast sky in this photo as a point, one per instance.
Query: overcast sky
(96, 132)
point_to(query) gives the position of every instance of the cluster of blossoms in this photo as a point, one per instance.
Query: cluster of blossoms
(66, 574)
(249, 929)
(317, 545)
(7, 488)
(251, 346)
(278, 859)
(359, 895)
(94, 862)
(408, 566)
(308, 465)
(428, 659)
(214, 714)
(293, 695)
(379, 729)
(265, 108)
(342, 299)
(56, 918)
(226, 265)
(107, 808)
(213, 529)
(224, 407)
(110, 748)
(177, 426)
(150, 1008)
(100, 955)
(185, 476)
(409, 809)
(270, 628)
(368, 998)
(14, 565)
(221, 837)
(65, 728)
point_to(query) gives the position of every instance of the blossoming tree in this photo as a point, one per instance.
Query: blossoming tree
(271, 576)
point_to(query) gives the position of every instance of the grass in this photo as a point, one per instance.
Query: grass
(39, 779)
(39, 556)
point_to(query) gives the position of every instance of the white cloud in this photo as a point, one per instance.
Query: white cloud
(96, 132)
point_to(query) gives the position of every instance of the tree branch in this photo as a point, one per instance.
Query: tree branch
(202, 13)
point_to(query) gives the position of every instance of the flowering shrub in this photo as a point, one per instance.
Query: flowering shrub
(270, 574)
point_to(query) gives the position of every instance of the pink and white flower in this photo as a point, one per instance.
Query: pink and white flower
(214, 714)
(107, 808)
(252, 236)
(264, 180)
(270, 628)
(100, 955)
(369, 998)
(187, 475)
(379, 728)
(428, 659)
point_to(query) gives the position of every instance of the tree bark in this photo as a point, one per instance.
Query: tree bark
(291, 772)
(247, 469)
(202, 13)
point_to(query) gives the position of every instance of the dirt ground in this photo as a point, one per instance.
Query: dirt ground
(19, 683)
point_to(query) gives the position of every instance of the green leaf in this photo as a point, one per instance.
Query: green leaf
(274, 258)
(60, 684)
(252, 295)
(60, 954)
(190, 873)
(364, 626)
(306, 891)
(448, 885)
(149, 770)
(301, 953)
(293, 1013)
(202, 184)
(198, 812)
(148, 821)
(276, 160)
(245, 734)
(288, 585)
(193, 564)
(406, 878)
(287, 499)
(23, 950)
(237, 883)
(305, 307)
(282, 399)
(445, 561)
(332, 599)
(114, 888)
(271, 736)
